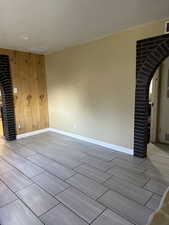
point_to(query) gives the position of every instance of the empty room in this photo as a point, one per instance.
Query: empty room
(84, 112)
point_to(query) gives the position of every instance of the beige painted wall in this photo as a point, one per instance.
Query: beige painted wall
(91, 88)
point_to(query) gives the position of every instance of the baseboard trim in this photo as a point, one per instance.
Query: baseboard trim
(82, 138)
(28, 134)
(94, 141)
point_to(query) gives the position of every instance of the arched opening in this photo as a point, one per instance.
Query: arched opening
(8, 113)
(150, 54)
(159, 109)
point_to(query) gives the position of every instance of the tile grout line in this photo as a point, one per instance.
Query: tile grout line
(148, 200)
(108, 189)
(98, 216)
(61, 203)
(20, 200)
(118, 213)
(9, 202)
(70, 186)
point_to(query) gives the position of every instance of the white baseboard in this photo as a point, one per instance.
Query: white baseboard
(94, 141)
(90, 140)
(28, 134)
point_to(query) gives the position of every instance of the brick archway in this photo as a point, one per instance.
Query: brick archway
(7, 98)
(150, 54)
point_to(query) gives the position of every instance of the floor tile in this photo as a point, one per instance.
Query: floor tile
(34, 146)
(97, 163)
(50, 183)
(156, 186)
(102, 154)
(150, 164)
(5, 167)
(159, 160)
(14, 144)
(158, 173)
(29, 169)
(24, 152)
(131, 159)
(154, 202)
(88, 186)
(17, 213)
(52, 166)
(37, 199)
(15, 180)
(69, 152)
(3, 149)
(128, 165)
(128, 175)
(93, 173)
(6, 196)
(130, 210)
(60, 215)
(82, 205)
(26, 141)
(50, 160)
(128, 190)
(110, 218)
(13, 159)
(66, 160)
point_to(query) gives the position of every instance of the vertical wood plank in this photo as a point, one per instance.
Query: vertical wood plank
(29, 77)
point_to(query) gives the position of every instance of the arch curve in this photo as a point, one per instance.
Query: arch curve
(153, 60)
(150, 54)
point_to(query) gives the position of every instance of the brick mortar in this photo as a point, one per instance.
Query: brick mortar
(8, 112)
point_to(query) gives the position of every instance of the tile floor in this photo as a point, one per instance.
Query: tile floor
(52, 179)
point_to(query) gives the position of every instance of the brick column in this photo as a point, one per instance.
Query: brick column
(150, 54)
(7, 97)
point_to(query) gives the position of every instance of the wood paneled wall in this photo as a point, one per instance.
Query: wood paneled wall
(29, 77)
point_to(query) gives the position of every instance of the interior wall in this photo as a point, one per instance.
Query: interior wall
(30, 92)
(91, 88)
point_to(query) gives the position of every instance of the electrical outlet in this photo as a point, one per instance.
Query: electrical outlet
(15, 90)
(19, 126)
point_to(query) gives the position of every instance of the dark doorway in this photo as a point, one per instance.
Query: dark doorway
(8, 113)
(150, 54)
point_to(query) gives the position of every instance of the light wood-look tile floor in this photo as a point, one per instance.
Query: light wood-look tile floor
(52, 179)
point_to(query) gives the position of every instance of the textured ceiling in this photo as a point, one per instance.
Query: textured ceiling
(50, 25)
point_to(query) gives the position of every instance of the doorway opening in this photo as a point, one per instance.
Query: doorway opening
(151, 52)
(159, 107)
(7, 107)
